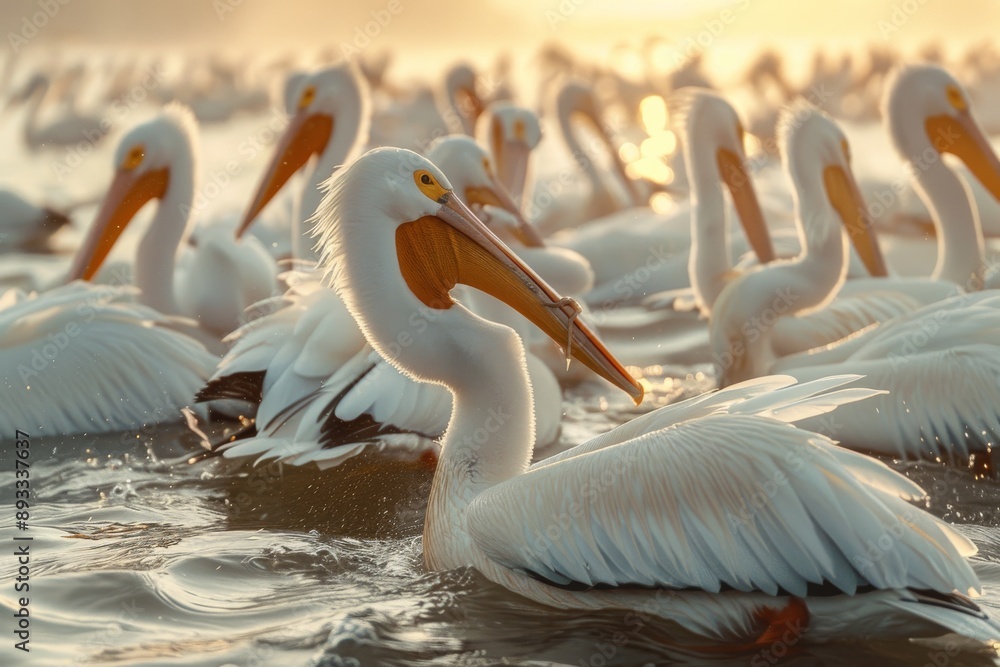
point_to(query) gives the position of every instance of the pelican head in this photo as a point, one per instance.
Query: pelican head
(474, 178)
(322, 98)
(460, 85)
(396, 239)
(152, 159)
(511, 132)
(928, 113)
(712, 137)
(817, 158)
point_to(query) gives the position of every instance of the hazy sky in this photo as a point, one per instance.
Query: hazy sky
(474, 27)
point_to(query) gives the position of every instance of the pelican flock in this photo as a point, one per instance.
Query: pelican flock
(440, 273)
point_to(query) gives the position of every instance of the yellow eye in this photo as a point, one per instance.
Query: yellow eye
(134, 158)
(308, 95)
(486, 164)
(429, 185)
(519, 130)
(846, 148)
(741, 133)
(956, 99)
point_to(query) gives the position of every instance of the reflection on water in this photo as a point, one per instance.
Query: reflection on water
(141, 559)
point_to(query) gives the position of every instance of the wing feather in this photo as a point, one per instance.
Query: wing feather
(727, 501)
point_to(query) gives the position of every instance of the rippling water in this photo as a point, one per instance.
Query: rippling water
(141, 559)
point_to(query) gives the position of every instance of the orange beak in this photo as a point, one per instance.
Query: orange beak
(308, 134)
(128, 193)
(737, 180)
(496, 195)
(453, 246)
(845, 197)
(960, 135)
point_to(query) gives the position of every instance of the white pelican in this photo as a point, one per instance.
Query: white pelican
(157, 160)
(626, 244)
(67, 130)
(463, 105)
(511, 132)
(322, 397)
(26, 227)
(927, 114)
(84, 358)
(575, 101)
(943, 382)
(641, 517)
(330, 122)
(708, 120)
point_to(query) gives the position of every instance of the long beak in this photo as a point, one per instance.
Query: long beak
(128, 193)
(846, 199)
(475, 106)
(306, 135)
(495, 195)
(454, 246)
(736, 178)
(962, 137)
(512, 167)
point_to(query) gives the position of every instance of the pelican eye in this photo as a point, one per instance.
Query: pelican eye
(519, 129)
(134, 157)
(429, 185)
(486, 164)
(846, 148)
(308, 95)
(957, 99)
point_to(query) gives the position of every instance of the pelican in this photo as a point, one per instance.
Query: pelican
(157, 160)
(463, 105)
(68, 130)
(927, 115)
(84, 358)
(323, 397)
(708, 121)
(649, 506)
(26, 227)
(941, 396)
(330, 122)
(511, 132)
(575, 101)
(622, 245)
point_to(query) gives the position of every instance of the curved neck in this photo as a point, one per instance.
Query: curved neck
(491, 434)
(795, 287)
(465, 116)
(709, 259)
(34, 108)
(341, 149)
(960, 239)
(581, 157)
(818, 273)
(157, 251)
